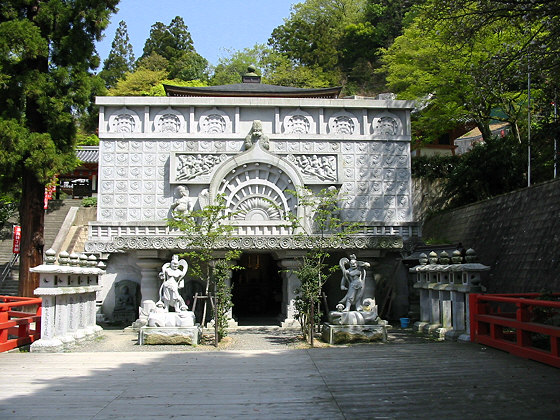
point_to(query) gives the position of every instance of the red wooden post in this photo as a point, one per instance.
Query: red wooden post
(3, 319)
(473, 311)
(522, 315)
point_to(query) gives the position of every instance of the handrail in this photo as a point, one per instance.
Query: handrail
(8, 269)
(16, 326)
(524, 332)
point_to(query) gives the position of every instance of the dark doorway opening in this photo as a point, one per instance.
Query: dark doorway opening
(257, 291)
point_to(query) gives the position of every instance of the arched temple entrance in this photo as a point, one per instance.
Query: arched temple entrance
(257, 290)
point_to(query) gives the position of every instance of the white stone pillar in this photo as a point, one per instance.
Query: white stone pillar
(369, 286)
(149, 283)
(290, 282)
(48, 340)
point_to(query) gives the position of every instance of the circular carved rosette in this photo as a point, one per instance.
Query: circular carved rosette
(259, 243)
(272, 242)
(360, 243)
(247, 243)
(157, 243)
(169, 243)
(144, 243)
(234, 243)
(182, 243)
(285, 243)
(298, 242)
(132, 243)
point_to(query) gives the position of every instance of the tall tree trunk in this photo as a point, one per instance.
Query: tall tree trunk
(32, 217)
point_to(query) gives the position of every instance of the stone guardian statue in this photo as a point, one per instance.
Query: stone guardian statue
(353, 279)
(172, 275)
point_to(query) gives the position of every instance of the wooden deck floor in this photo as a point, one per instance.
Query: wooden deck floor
(435, 380)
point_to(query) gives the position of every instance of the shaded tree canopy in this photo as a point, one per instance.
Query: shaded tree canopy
(46, 54)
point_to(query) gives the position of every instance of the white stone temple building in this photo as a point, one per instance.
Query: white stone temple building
(196, 138)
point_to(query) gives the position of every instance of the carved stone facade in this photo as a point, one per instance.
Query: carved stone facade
(151, 146)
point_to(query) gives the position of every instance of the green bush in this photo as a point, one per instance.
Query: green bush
(89, 202)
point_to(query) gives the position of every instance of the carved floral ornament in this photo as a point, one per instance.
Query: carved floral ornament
(214, 121)
(124, 121)
(125, 243)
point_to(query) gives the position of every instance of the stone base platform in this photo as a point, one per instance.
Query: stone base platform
(170, 335)
(340, 334)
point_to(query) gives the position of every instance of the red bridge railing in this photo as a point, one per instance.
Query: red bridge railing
(18, 328)
(526, 325)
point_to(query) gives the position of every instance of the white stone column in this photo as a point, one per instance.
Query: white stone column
(149, 283)
(290, 282)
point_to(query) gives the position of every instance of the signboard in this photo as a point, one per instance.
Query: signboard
(17, 239)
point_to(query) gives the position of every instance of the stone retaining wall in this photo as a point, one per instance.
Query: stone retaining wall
(516, 234)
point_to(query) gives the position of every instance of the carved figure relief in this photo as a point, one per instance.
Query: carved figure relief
(343, 124)
(168, 121)
(190, 166)
(387, 125)
(124, 121)
(321, 166)
(214, 122)
(256, 135)
(298, 123)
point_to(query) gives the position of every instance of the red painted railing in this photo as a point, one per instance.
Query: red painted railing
(16, 326)
(526, 325)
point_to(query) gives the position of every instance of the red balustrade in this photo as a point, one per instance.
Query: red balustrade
(526, 325)
(18, 328)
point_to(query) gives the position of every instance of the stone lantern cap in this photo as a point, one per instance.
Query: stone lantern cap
(69, 264)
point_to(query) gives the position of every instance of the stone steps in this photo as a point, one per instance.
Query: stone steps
(54, 218)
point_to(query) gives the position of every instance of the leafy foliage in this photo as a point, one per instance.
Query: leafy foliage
(433, 167)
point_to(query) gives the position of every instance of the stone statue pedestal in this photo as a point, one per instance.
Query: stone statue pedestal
(354, 327)
(170, 335)
(342, 334)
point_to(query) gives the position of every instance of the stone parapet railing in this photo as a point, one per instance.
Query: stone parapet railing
(68, 290)
(120, 237)
(444, 285)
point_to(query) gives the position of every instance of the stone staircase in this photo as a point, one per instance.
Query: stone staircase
(54, 221)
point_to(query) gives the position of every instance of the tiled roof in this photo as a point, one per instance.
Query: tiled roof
(254, 90)
(88, 154)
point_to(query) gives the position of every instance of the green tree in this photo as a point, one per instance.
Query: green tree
(205, 229)
(362, 42)
(459, 81)
(314, 269)
(275, 68)
(121, 57)
(311, 35)
(46, 54)
(173, 42)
